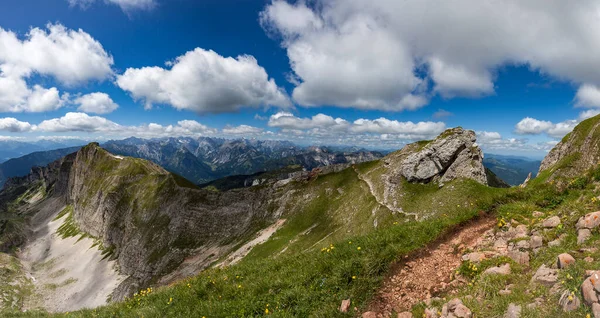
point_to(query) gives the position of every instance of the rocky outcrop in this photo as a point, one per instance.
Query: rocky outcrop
(577, 152)
(454, 154)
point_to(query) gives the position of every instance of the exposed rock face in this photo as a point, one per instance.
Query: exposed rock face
(454, 154)
(150, 218)
(577, 152)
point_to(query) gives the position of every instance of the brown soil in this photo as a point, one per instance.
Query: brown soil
(429, 271)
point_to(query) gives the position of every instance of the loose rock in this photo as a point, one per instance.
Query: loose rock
(406, 314)
(474, 257)
(537, 214)
(565, 260)
(545, 276)
(345, 305)
(519, 257)
(589, 221)
(536, 242)
(513, 311)
(369, 314)
(498, 270)
(587, 290)
(551, 222)
(596, 310)
(583, 235)
(569, 301)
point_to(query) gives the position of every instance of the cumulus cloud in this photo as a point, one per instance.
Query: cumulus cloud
(79, 122)
(368, 55)
(588, 114)
(322, 125)
(588, 96)
(13, 125)
(126, 5)
(84, 123)
(242, 130)
(491, 141)
(532, 126)
(97, 103)
(71, 57)
(205, 82)
(289, 121)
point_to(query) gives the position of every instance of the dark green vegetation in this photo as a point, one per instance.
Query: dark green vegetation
(513, 170)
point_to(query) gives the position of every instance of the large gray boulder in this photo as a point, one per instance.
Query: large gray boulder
(454, 154)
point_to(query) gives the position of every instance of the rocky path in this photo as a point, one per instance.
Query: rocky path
(429, 272)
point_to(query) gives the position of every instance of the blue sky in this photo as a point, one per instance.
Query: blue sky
(337, 72)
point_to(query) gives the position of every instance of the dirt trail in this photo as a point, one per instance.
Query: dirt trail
(428, 272)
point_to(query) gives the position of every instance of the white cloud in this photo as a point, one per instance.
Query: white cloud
(386, 126)
(126, 5)
(98, 103)
(289, 121)
(588, 96)
(325, 126)
(14, 125)
(71, 57)
(484, 136)
(532, 126)
(79, 122)
(242, 130)
(588, 114)
(370, 54)
(205, 82)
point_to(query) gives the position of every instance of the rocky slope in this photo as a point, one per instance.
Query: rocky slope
(577, 152)
(159, 227)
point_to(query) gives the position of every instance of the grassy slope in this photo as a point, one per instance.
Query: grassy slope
(318, 269)
(570, 203)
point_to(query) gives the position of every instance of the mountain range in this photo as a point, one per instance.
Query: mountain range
(512, 169)
(101, 233)
(205, 159)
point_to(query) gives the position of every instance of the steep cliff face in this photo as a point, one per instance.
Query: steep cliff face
(149, 219)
